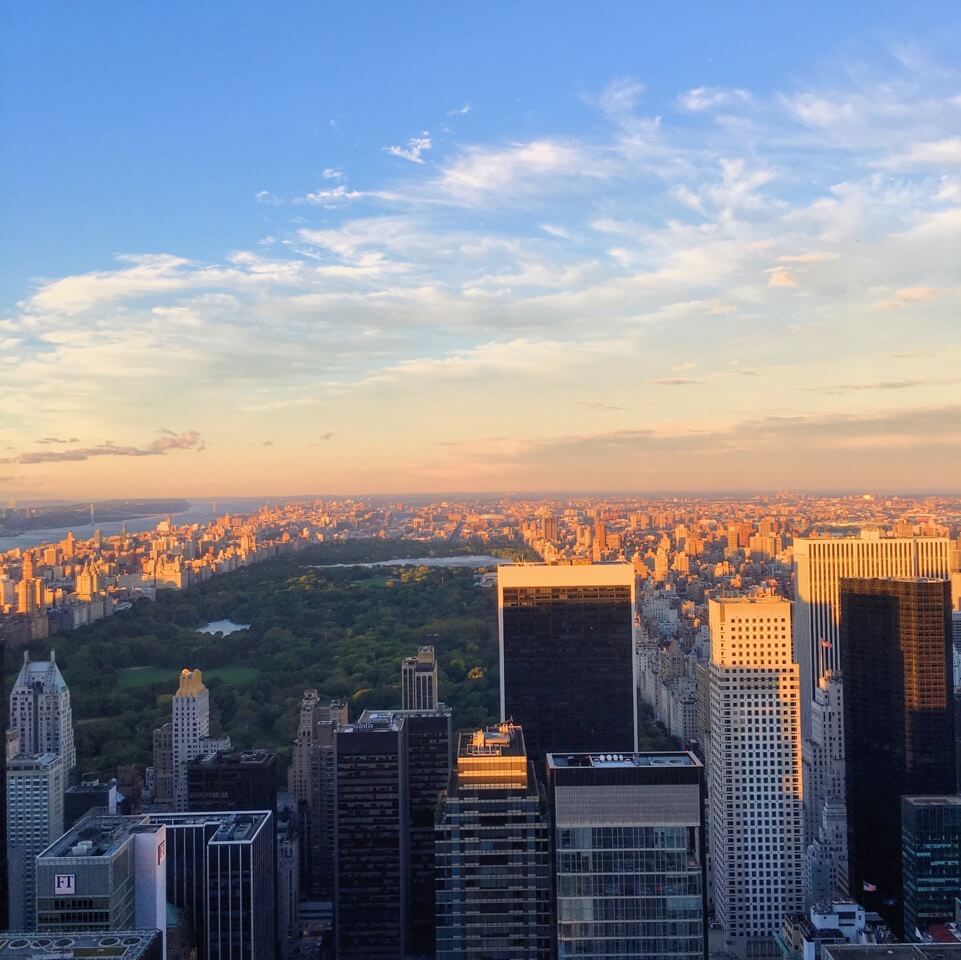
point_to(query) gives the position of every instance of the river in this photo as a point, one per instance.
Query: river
(200, 512)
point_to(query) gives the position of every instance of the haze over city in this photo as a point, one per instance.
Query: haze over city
(518, 247)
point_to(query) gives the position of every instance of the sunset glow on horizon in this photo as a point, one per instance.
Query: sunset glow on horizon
(485, 264)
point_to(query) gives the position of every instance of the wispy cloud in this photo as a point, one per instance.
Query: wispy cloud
(706, 98)
(459, 111)
(415, 147)
(59, 440)
(167, 441)
(676, 381)
(596, 405)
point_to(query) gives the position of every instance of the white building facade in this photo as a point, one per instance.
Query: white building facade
(755, 796)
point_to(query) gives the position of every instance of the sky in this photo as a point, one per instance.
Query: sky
(268, 249)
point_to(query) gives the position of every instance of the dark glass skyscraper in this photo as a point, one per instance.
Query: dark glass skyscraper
(223, 781)
(428, 771)
(898, 719)
(931, 854)
(372, 844)
(567, 656)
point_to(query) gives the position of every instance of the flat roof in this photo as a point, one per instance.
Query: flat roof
(614, 574)
(118, 944)
(669, 758)
(374, 721)
(94, 836)
(933, 800)
(893, 951)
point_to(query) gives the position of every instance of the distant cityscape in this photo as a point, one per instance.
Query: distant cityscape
(802, 652)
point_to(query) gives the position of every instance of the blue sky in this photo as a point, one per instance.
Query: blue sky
(320, 244)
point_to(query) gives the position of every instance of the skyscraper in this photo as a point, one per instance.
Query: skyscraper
(755, 770)
(40, 711)
(311, 780)
(244, 780)
(189, 732)
(931, 857)
(628, 853)
(898, 718)
(567, 665)
(35, 785)
(372, 839)
(419, 680)
(820, 563)
(428, 772)
(493, 859)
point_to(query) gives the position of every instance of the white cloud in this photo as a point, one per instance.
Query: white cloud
(706, 98)
(415, 147)
(332, 173)
(459, 111)
(932, 153)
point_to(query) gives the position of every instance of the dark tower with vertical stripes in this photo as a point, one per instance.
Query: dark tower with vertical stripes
(4, 869)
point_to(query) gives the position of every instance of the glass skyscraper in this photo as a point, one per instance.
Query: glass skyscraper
(627, 834)
(567, 656)
(931, 855)
(896, 658)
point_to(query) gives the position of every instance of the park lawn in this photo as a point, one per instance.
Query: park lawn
(237, 676)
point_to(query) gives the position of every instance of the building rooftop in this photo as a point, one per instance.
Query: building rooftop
(239, 758)
(191, 683)
(616, 573)
(98, 834)
(676, 758)
(115, 945)
(372, 721)
(502, 740)
(933, 800)
(893, 951)
(44, 672)
(375, 716)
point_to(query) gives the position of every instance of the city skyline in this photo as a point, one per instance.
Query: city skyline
(644, 251)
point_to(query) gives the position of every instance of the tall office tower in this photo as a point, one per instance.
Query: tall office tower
(191, 724)
(40, 711)
(34, 819)
(163, 764)
(549, 528)
(819, 565)
(629, 862)
(493, 857)
(419, 680)
(898, 718)
(311, 779)
(220, 872)
(245, 780)
(428, 772)
(567, 667)
(372, 847)
(931, 856)
(756, 821)
(105, 873)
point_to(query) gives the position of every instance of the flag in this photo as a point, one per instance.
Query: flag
(869, 887)
(826, 643)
